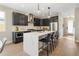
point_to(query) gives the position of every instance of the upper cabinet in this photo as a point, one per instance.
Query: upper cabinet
(20, 19)
(41, 22)
(54, 19)
(37, 22)
(45, 22)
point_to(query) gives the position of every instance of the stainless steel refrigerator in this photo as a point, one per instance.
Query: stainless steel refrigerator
(53, 26)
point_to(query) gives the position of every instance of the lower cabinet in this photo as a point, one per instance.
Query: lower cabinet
(17, 37)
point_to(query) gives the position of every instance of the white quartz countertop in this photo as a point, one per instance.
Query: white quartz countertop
(39, 33)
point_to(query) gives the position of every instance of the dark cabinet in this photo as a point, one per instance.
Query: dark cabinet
(17, 37)
(41, 22)
(54, 19)
(45, 22)
(37, 22)
(20, 19)
(25, 20)
(15, 19)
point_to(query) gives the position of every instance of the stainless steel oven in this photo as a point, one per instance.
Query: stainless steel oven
(19, 34)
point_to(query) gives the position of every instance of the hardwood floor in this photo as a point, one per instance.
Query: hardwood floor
(66, 47)
(13, 50)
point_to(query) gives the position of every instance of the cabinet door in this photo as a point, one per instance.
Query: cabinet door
(15, 19)
(36, 22)
(21, 20)
(25, 21)
(54, 19)
(45, 22)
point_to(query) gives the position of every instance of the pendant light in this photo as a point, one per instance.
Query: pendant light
(49, 12)
(38, 9)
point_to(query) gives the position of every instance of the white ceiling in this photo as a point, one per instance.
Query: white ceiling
(32, 7)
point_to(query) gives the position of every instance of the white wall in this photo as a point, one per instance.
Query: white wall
(69, 13)
(60, 25)
(77, 24)
(8, 32)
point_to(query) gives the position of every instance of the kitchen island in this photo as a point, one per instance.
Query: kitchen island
(31, 42)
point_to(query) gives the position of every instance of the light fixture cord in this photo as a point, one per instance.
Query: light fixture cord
(38, 6)
(48, 11)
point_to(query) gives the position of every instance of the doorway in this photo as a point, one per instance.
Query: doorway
(68, 27)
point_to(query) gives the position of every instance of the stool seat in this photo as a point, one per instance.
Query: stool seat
(44, 40)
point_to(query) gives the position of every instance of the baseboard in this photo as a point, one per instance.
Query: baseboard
(77, 41)
(60, 38)
(8, 42)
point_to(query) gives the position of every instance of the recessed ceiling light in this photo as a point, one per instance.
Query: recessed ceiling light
(42, 8)
(49, 16)
(38, 11)
(34, 11)
(22, 6)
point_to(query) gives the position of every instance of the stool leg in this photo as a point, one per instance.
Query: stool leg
(47, 51)
(51, 47)
(55, 44)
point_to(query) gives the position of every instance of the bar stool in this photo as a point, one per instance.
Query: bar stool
(53, 39)
(56, 36)
(47, 41)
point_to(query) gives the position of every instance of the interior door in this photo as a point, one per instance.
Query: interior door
(68, 26)
(65, 26)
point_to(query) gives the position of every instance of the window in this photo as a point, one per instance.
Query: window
(2, 21)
